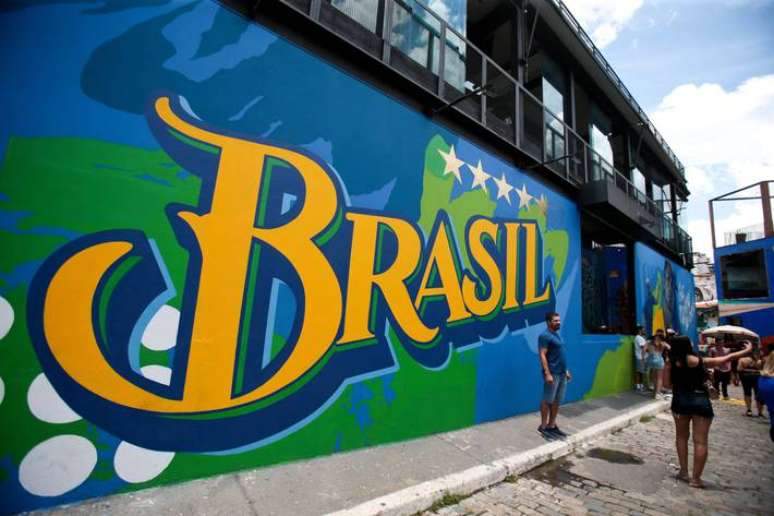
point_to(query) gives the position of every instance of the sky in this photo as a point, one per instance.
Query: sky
(703, 70)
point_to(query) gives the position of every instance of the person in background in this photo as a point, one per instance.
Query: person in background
(721, 375)
(555, 376)
(648, 373)
(766, 389)
(691, 405)
(639, 358)
(730, 344)
(749, 369)
(654, 362)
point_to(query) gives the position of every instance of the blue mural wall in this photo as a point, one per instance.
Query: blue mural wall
(174, 176)
(665, 293)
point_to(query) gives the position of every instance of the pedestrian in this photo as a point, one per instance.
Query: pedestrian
(721, 375)
(766, 389)
(639, 358)
(691, 406)
(749, 369)
(655, 363)
(555, 376)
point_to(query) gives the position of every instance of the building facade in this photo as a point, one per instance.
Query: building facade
(240, 234)
(744, 262)
(706, 292)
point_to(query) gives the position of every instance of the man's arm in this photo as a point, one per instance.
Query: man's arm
(544, 364)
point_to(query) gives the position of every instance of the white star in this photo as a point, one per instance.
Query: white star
(453, 164)
(503, 188)
(543, 204)
(524, 197)
(479, 176)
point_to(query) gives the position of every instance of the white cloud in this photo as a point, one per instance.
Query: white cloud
(724, 138)
(698, 180)
(441, 9)
(603, 19)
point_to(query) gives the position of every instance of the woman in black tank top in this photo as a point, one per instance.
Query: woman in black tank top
(691, 406)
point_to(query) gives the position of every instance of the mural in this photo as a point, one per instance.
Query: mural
(220, 252)
(665, 293)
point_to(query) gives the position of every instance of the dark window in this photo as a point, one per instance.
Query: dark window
(606, 293)
(744, 275)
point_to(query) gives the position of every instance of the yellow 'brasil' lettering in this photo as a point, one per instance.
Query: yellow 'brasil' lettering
(480, 229)
(391, 281)
(441, 261)
(225, 236)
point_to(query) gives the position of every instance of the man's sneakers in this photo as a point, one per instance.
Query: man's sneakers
(546, 434)
(551, 433)
(556, 432)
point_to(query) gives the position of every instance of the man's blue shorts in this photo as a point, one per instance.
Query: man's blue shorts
(554, 392)
(640, 365)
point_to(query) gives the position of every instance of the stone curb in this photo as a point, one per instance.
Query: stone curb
(421, 496)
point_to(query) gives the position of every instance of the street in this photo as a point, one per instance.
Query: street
(633, 471)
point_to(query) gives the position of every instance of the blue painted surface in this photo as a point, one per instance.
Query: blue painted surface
(105, 66)
(761, 320)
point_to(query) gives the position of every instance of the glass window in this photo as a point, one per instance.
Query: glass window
(680, 207)
(667, 199)
(554, 102)
(415, 33)
(658, 195)
(638, 179)
(602, 157)
(744, 275)
(362, 11)
(553, 99)
(454, 65)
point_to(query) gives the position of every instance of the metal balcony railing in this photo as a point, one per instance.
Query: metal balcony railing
(415, 42)
(600, 59)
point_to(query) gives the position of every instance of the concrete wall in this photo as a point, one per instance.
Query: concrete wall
(220, 252)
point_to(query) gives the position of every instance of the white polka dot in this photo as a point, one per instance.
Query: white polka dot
(134, 464)
(46, 405)
(57, 465)
(161, 332)
(6, 317)
(2, 390)
(157, 373)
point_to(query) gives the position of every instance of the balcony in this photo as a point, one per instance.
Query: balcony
(609, 195)
(418, 45)
(608, 70)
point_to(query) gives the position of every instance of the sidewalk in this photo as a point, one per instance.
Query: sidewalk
(400, 478)
(633, 472)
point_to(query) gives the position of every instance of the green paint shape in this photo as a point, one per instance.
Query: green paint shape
(615, 371)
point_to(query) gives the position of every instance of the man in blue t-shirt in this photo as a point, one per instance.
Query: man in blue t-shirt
(555, 376)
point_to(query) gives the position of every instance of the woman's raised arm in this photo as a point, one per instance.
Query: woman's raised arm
(716, 361)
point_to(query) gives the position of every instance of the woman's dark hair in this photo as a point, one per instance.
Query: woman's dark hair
(681, 348)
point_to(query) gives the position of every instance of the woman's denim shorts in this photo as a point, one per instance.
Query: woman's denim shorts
(692, 403)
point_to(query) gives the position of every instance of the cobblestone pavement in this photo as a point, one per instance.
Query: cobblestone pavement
(632, 472)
